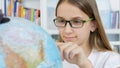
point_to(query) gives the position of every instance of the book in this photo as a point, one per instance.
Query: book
(115, 19)
(17, 8)
(105, 12)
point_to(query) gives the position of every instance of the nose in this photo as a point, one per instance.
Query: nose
(68, 28)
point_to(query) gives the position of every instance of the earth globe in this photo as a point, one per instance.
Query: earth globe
(23, 44)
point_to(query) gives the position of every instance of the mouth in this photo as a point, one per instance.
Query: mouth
(69, 39)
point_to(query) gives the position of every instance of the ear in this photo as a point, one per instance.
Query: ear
(93, 26)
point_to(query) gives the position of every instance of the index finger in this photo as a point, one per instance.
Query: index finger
(59, 43)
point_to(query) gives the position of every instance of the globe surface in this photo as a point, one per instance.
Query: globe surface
(24, 44)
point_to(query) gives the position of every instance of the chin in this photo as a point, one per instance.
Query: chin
(69, 41)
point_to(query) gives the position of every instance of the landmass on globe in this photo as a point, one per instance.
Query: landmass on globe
(27, 45)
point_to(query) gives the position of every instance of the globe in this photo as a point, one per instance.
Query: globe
(23, 44)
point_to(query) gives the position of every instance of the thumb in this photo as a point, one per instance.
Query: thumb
(59, 43)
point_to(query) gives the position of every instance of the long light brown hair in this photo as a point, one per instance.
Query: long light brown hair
(98, 38)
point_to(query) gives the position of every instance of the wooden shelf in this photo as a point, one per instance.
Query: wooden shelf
(112, 31)
(115, 42)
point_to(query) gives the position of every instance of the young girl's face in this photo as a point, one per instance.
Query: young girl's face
(78, 35)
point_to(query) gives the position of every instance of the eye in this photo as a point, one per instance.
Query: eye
(60, 20)
(77, 21)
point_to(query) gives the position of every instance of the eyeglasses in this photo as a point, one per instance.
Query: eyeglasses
(74, 23)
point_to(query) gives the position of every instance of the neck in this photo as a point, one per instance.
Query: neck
(87, 49)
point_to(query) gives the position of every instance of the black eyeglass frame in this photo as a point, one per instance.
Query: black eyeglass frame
(69, 21)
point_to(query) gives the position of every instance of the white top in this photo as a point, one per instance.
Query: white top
(100, 60)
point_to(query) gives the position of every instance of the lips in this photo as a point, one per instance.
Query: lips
(69, 39)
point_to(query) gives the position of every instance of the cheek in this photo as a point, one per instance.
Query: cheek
(82, 36)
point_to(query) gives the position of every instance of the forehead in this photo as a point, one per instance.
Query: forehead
(69, 11)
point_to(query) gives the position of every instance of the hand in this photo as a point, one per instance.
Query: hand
(73, 53)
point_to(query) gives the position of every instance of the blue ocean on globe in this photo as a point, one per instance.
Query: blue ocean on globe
(23, 44)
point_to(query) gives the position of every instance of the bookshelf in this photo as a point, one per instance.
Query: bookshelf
(111, 20)
(47, 12)
(115, 6)
(27, 9)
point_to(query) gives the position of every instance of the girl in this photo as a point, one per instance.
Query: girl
(82, 39)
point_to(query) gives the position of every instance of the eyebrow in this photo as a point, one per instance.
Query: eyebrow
(71, 18)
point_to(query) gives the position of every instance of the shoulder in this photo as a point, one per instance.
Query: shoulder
(111, 54)
(108, 54)
(105, 59)
(110, 59)
(113, 60)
